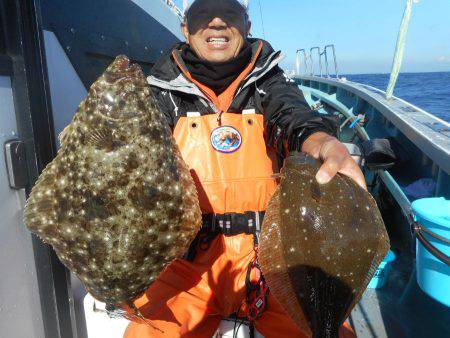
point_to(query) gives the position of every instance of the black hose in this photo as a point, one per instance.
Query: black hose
(430, 247)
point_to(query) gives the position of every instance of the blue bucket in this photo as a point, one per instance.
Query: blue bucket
(433, 247)
(380, 277)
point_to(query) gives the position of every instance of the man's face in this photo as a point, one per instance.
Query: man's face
(216, 33)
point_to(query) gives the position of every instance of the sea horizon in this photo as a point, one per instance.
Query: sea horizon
(429, 91)
(388, 73)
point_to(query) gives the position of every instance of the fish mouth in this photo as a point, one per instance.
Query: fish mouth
(123, 64)
(121, 70)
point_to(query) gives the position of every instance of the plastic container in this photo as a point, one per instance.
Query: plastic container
(433, 229)
(379, 279)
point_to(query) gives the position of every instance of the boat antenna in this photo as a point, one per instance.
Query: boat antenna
(262, 19)
(400, 48)
(185, 5)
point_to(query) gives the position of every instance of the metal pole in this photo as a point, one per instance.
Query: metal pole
(312, 59)
(335, 59)
(298, 61)
(325, 57)
(400, 48)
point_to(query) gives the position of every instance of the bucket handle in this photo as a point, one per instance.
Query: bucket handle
(419, 230)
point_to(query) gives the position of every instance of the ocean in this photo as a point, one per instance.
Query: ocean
(429, 91)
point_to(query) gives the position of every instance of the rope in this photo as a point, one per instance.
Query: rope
(400, 48)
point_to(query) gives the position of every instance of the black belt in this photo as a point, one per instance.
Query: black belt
(230, 224)
(233, 223)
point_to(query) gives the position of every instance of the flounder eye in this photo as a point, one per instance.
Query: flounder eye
(109, 99)
(122, 106)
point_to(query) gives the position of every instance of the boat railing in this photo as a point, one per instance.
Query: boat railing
(306, 62)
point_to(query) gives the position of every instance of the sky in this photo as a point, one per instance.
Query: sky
(363, 31)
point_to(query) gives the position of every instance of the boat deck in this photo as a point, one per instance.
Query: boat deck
(400, 309)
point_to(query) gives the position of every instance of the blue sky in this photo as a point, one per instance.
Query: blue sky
(363, 31)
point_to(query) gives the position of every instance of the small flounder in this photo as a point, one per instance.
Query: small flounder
(117, 203)
(320, 246)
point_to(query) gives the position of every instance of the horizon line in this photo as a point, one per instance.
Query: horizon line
(385, 73)
(407, 72)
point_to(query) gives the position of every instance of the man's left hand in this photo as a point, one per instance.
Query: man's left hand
(335, 158)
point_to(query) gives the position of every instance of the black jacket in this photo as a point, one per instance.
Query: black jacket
(288, 118)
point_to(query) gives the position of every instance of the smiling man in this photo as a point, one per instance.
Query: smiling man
(235, 116)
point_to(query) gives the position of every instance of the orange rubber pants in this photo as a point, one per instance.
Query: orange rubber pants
(189, 299)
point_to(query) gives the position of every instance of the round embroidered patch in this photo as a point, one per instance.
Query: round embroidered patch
(226, 139)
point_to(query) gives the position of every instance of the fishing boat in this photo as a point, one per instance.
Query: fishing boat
(50, 53)
(421, 147)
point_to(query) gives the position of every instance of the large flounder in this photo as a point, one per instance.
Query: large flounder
(320, 246)
(117, 203)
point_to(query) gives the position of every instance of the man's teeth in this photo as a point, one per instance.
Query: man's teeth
(220, 40)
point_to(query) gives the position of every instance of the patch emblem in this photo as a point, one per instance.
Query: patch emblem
(226, 139)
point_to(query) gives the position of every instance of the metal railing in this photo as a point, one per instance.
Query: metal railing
(318, 57)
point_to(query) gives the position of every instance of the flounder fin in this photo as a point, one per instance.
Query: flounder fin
(100, 139)
(39, 214)
(274, 266)
(192, 217)
(381, 250)
(63, 135)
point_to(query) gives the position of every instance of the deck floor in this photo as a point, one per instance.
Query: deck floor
(400, 309)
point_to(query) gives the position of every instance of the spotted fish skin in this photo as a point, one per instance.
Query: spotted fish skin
(117, 203)
(320, 246)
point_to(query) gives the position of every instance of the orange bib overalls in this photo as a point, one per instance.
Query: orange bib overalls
(189, 299)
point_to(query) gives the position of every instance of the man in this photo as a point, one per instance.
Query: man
(235, 116)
